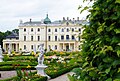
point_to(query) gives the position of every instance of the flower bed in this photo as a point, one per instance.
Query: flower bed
(57, 65)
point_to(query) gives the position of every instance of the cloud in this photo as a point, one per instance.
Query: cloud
(11, 11)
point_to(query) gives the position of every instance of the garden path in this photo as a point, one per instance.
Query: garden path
(9, 74)
(62, 77)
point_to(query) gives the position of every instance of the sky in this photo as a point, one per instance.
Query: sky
(12, 11)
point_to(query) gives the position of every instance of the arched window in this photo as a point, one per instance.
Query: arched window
(38, 29)
(24, 29)
(67, 30)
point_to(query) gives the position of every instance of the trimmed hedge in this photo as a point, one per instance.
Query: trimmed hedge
(62, 71)
(9, 68)
(33, 79)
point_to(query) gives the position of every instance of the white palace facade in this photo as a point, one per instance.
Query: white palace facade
(62, 35)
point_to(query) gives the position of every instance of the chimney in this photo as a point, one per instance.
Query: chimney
(63, 18)
(77, 18)
(73, 19)
(30, 20)
(67, 18)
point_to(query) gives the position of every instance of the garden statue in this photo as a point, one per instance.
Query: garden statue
(41, 55)
(1, 57)
(40, 67)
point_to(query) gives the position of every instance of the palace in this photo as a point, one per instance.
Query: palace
(61, 35)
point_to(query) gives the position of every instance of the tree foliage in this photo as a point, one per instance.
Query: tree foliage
(4, 34)
(101, 47)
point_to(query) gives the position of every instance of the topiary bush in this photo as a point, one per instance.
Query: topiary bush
(101, 46)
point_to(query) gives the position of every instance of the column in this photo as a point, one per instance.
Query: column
(16, 47)
(74, 46)
(63, 47)
(69, 47)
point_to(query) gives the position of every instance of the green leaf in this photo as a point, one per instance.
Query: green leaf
(100, 29)
(118, 53)
(115, 40)
(116, 62)
(109, 79)
(117, 1)
(77, 71)
(92, 73)
(85, 8)
(85, 64)
(117, 30)
(107, 70)
(107, 59)
(71, 78)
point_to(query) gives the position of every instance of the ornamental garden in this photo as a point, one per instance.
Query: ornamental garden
(24, 64)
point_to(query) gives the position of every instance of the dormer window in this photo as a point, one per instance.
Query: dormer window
(24, 29)
(67, 30)
(67, 23)
(31, 29)
(38, 29)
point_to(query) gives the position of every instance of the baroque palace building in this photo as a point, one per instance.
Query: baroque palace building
(61, 35)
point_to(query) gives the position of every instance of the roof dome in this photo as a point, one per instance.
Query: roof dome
(47, 20)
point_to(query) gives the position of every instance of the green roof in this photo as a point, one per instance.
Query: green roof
(47, 20)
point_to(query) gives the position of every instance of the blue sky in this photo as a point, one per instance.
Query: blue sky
(12, 11)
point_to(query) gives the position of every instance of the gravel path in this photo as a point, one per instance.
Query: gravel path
(62, 77)
(9, 74)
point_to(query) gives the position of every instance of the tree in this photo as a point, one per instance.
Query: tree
(101, 47)
(15, 31)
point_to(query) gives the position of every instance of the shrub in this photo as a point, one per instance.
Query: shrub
(101, 45)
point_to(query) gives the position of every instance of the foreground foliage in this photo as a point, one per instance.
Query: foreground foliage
(101, 47)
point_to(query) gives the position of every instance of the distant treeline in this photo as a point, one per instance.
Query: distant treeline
(4, 34)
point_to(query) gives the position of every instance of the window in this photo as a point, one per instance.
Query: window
(67, 37)
(72, 29)
(31, 38)
(73, 37)
(49, 30)
(38, 29)
(62, 30)
(31, 29)
(67, 30)
(24, 47)
(38, 38)
(55, 47)
(48, 38)
(24, 29)
(62, 37)
(24, 38)
(79, 47)
(55, 38)
(31, 47)
(79, 30)
(55, 30)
